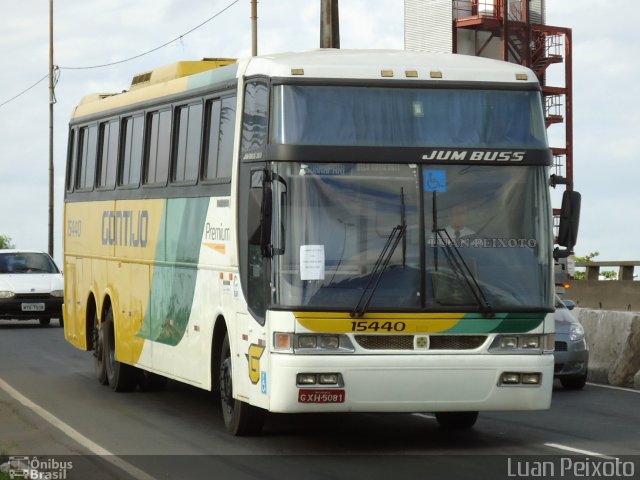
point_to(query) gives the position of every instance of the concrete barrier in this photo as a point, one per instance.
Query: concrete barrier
(614, 346)
(605, 295)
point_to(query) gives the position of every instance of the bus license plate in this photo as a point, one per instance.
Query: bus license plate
(321, 396)
(33, 307)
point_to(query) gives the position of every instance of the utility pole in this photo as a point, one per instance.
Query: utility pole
(329, 24)
(254, 28)
(51, 102)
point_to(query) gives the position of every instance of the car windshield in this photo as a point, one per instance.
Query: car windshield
(26, 262)
(337, 218)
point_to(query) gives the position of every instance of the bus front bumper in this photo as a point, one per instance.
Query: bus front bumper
(409, 383)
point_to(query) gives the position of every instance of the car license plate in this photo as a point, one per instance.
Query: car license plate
(321, 396)
(33, 307)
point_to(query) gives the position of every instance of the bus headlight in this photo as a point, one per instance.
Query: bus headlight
(520, 378)
(6, 294)
(329, 341)
(518, 344)
(317, 379)
(311, 344)
(307, 341)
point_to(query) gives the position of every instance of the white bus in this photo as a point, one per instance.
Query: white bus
(329, 231)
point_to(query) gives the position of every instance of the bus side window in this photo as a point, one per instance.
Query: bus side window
(210, 168)
(86, 163)
(157, 147)
(131, 151)
(255, 118)
(227, 127)
(220, 123)
(71, 156)
(107, 155)
(187, 136)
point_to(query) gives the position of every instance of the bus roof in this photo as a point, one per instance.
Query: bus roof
(320, 64)
(397, 64)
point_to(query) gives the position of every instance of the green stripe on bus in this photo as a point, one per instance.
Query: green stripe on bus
(501, 323)
(174, 275)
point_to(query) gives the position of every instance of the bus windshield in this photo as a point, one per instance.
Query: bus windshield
(336, 218)
(374, 116)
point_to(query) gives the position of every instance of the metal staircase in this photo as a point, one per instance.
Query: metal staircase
(506, 24)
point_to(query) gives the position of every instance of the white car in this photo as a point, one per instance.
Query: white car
(31, 287)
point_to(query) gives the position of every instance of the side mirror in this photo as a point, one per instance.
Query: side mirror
(569, 219)
(570, 304)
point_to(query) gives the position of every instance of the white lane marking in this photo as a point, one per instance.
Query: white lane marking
(611, 387)
(578, 450)
(424, 415)
(75, 435)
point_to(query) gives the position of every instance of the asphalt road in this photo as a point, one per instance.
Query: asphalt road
(179, 433)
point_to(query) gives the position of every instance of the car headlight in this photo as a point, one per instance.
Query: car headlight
(6, 294)
(576, 332)
(57, 293)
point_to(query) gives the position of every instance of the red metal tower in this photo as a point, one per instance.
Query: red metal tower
(504, 29)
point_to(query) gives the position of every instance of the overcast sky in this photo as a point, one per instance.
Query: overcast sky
(606, 89)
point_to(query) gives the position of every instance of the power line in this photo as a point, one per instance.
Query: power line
(180, 37)
(156, 48)
(24, 91)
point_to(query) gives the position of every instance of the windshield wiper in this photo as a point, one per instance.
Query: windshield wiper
(456, 260)
(397, 233)
(378, 269)
(453, 255)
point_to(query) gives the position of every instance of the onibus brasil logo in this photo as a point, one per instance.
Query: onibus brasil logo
(34, 468)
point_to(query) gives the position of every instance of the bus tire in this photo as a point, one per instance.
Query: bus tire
(574, 383)
(240, 418)
(98, 351)
(456, 420)
(151, 382)
(121, 377)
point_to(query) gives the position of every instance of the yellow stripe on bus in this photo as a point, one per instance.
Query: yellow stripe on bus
(391, 323)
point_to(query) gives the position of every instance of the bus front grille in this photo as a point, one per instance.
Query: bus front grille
(406, 342)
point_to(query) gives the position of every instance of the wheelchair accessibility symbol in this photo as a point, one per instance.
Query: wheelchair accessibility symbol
(434, 180)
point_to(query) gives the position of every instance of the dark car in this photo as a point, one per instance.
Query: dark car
(31, 287)
(571, 354)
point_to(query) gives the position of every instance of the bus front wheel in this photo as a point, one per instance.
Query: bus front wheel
(456, 420)
(240, 418)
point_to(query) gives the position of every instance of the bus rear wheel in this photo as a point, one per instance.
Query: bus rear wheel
(456, 420)
(121, 377)
(240, 418)
(98, 351)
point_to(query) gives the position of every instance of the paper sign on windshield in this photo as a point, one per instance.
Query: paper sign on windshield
(312, 262)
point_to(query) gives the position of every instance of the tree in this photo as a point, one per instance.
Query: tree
(585, 259)
(5, 242)
(607, 274)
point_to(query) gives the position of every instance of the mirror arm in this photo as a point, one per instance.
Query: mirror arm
(564, 253)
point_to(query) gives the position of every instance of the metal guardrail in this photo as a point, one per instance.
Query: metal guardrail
(625, 272)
